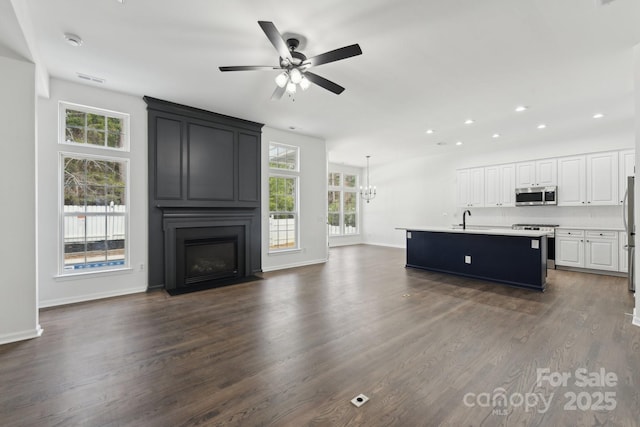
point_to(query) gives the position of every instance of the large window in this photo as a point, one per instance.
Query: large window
(343, 204)
(283, 197)
(94, 191)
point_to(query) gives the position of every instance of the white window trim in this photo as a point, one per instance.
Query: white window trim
(341, 212)
(64, 105)
(296, 212)
(127, 250)
(286, 173)
(297, 150)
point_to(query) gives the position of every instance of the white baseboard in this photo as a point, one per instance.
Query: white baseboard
(339, 244)
(295, 264)
(22, 335)
(385, 245)
(89, 297)
(636, 317)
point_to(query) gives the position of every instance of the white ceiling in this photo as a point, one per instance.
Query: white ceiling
(425, 64)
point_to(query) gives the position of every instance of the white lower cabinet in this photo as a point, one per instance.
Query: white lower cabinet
(570, 247)
(601, 250)
(593, 249)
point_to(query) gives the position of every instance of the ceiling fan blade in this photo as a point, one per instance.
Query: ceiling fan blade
(322, 82)
(277, 94)
(276, 39)
(334, 55)
(249, 68)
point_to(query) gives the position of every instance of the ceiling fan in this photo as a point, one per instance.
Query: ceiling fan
(295, 65)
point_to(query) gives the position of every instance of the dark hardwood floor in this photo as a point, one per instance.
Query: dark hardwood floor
(295, 348)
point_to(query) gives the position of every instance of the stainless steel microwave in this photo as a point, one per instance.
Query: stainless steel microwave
(532, 196)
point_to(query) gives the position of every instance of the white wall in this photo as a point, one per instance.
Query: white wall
(56, 290)
(18, 258)
(422, 190)
(313, 201)
(351, 239)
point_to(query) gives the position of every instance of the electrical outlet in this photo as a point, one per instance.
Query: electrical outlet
(359, 400)
(535, 244)
(467, 259)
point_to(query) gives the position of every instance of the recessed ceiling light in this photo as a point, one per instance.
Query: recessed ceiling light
(598, 116)
(73, 39)
(521, 108)
(495, 135)
(542, 126)
(459, 143)
(468, 121)
(430, 131)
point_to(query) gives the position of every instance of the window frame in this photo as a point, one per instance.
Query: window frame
(290, 174)
(297, 157)
(62, 272)
(63, 106)
(342, 189)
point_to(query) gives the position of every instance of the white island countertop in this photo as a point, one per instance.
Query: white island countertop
(490, 231)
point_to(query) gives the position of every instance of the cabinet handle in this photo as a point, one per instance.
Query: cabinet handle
(589, 202)
(569, 233)
(601, 234)
(583, 203)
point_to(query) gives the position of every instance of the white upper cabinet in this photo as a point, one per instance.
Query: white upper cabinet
(499, 185)
(525, 174)
(470, 187)
(588, 180)
(476, 187)
(492, 186)
(582, 180)
(572, 181)
(546, 172)
(602, 178)
(508, 185)
(462, 184)
(627, 167)
(536, 173)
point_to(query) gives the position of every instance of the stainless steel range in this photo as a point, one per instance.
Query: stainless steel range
(551, 239)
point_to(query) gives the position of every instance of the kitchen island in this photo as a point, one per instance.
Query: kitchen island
(514, 257)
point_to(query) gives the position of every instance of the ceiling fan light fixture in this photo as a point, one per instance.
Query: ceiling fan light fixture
(291, 87)
(296, 76)
(282, 79)
(305, 83)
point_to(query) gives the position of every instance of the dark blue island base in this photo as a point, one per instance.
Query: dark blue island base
(514, 260)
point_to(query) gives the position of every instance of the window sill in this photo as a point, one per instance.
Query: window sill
(89, 274)
(284, 252)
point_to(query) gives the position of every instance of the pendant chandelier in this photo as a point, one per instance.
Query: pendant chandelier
(368, 192)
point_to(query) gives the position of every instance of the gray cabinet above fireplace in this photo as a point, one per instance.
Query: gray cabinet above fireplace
(202, 159)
